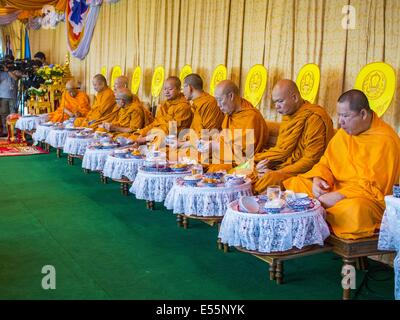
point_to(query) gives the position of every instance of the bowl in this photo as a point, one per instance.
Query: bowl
(192, 180)
(300, 202)
(179, 169)
(248, 204)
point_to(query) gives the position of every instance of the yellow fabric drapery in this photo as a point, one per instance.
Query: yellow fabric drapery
(282, 35)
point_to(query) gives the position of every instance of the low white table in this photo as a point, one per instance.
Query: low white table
(76, 147)
(41, 133)
(154, 186)
(266, 233)
(56, 138)
(94, 159)
(204, 203)
(389, 236)
(29, 123)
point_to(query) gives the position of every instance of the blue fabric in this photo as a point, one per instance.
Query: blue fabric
(27, 46)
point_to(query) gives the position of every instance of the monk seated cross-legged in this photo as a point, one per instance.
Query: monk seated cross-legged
(357, 170)
(74, 103)
(175, 109)
(244, 130)
(303, 136)
(127, 116)
(103, 104)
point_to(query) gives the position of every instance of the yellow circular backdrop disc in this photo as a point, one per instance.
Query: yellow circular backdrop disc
(378, 81)
(157, 82)
(103, 71)
(116, 72)
(186, 70)
(256, 81)
(308, 82)
(219, 74)
(137, 74)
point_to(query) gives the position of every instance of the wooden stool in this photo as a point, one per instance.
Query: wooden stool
(276, 259)
(352, 250)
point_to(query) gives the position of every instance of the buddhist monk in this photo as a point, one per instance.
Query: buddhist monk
(175, 108)
(358, 168)
(241, 122)
(127, 116)
(206, 113)
(303, 137)
(74, 103)
(103, 104)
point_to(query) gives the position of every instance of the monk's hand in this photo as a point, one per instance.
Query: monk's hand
(78, 114)
(107, 126)
(141, 140)
(329, 199)
(262, 166)
(320, 187)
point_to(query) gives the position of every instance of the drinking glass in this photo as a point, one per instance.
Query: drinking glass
(273, 193)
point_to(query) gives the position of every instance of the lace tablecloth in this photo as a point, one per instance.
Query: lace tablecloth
(204, 201)
(116, 168)
(56, 137)
(29, 123)
(154, 186)
(267, 233)
(77, 146)
(389, 236)
(41, 133)
(95, 159)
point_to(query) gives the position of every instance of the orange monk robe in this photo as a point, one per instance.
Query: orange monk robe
(302, 140)
(175, 110)
(363, 169)
(206, 114)
(102, 106)
(80, 104)
(236, 124)
(133, 116)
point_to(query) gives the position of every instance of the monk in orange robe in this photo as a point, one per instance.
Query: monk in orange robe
(175, 108)
(74, 103)
(303, 137)
(127, 116)
(103, 104)
(359, 167)
(244, 130)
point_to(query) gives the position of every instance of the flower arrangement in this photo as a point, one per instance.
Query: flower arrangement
(37, 92)
(51, 71)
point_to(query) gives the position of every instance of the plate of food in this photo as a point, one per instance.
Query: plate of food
(210, 182)
(179, 167)
(136, 154)
(109, 145)
(192, 180)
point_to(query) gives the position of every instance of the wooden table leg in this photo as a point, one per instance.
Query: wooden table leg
(179, 220)
(272, 270)
(150, 205)
(103, 179)
(58, 153)
(185, 222)
(70, 160)
(279, 272)
(226, 248)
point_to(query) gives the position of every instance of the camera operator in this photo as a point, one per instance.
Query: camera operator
(8, 91)
(32, 79)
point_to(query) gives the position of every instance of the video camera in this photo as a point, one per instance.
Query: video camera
(26, 66)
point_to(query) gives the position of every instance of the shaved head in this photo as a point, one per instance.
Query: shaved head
(227, 95)
(123, 96)
(286, 97)
(100, 78)
(175, 81)
(172, 88)
(99, 82)
(227, 86)
(357, 100)
(121, 82)
(72, 87)
(194, 80)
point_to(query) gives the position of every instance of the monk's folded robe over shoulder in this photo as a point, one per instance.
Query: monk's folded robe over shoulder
(235, 129)
(363, 168)
(103, 105)
(80, 103)
(206, 114)
(302, 140)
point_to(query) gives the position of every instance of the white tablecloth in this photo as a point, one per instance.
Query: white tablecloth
(95, 159)
(116, 168)
(273, 232)
(29, 123)
(56, 137)
(154, 186)
(389, 236)
(41, 133)
(77, 146)
(204, 201)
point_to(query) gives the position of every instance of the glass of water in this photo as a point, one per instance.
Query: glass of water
(273, 193)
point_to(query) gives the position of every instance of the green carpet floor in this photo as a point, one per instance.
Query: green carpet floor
(108, 246)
